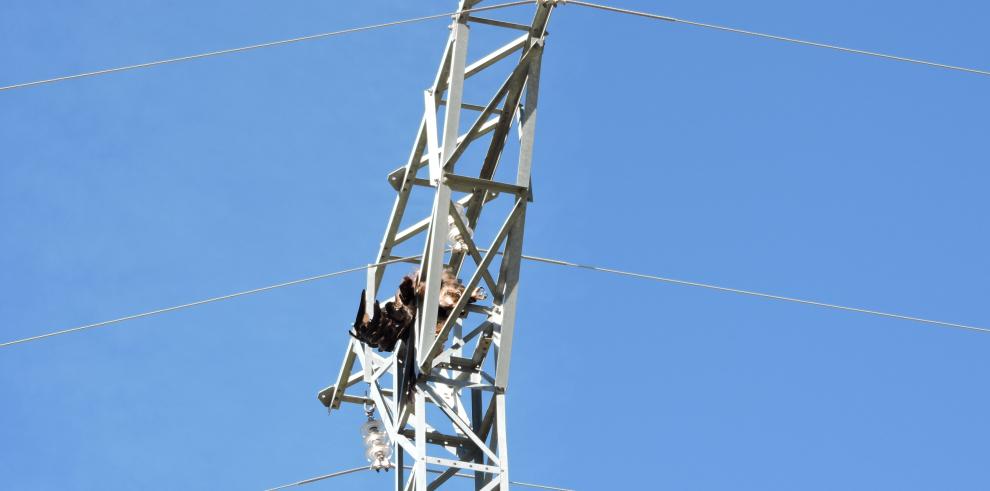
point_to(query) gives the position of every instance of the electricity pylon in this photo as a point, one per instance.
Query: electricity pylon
(448, 389)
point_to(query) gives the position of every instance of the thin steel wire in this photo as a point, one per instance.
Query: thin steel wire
(262, 45)
(205, 301)
(528, 258)
(320, 478)
(433, 471)
(514, 483)
(754, 293)
(774, 37)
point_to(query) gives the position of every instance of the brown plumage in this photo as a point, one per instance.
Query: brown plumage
(384, 327)
(388, 324)
(451, 290)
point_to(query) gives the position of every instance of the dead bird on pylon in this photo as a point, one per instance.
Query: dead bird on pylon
(393, 321)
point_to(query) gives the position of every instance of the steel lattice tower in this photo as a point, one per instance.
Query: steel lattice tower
(453, 416)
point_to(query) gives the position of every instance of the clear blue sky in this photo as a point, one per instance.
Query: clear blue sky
(661, 148)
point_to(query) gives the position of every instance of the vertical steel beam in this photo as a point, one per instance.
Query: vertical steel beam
(513, 247)
(502, 437)
(397, 451)
(527, 119)
(434, 253)
(455, 88)
(419, 470)
(476, 401)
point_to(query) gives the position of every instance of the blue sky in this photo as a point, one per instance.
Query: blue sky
(660, 148)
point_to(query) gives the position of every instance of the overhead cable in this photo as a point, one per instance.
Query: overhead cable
(433, 471)
(320, 478)
(206, 301)
(481, 9)
(753, 293)
(262, 45)
(514, 483)
(774, 37)
(528, 258)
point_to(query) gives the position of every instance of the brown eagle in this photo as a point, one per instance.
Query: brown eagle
(388, 324)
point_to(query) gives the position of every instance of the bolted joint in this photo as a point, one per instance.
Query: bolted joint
(458, 18)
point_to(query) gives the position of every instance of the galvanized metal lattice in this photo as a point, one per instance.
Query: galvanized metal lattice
(445, 406)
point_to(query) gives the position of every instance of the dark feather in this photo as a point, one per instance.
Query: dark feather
(361, 314)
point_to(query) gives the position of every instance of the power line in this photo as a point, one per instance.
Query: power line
(775, 37)
(320, 478)
(754, 293)
(433, 471)
(262, 45)
(528, 258)
(203, 302)
(514, 483)
(482, 9)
